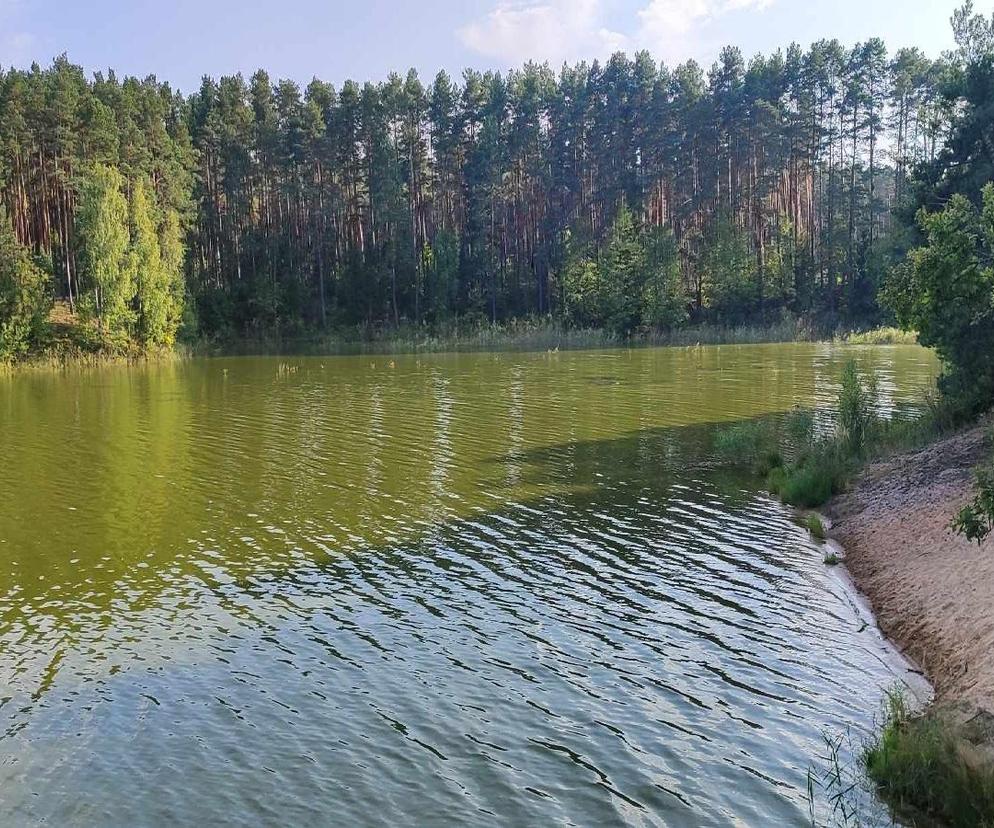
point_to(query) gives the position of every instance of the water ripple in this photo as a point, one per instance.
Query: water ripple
(486, 589)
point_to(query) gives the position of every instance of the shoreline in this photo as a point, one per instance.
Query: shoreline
(516, 336)
(931, 592)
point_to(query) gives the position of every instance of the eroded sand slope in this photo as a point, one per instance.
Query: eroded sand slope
(932, 591)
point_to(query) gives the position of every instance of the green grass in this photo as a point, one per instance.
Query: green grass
(811, 480)
(879, 336)
(814, 525)
(70, 340)
(751, 445)
(920, 764)
(831, 559)
(822, 469)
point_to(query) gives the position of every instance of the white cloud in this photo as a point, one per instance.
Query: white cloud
(552, 30)
(672, 28)
(556, 30)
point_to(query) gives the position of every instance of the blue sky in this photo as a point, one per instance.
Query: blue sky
(180, 40)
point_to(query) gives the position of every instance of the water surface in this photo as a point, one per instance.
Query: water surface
(457, 589)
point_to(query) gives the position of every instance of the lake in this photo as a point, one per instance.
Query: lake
(475, 589)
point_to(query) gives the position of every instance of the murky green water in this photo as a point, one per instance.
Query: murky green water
(471, 589)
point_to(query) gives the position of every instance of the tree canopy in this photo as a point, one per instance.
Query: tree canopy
(624, 194)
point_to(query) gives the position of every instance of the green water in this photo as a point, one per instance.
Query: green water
(476, 589)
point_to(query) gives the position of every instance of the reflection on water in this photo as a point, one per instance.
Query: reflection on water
(475, 589)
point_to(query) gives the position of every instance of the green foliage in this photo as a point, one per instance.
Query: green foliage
(728, 268)
(822, 469)
(813, 479)
(856, 409)
(156, 262)
(975, 521)
(880, 336)
(920, 765)
(581, 290)
(946, 293)
(441, 266)
(751, 444)
(633, 284)
(623, 274)
(664, 304)
(24, 295)
(799, 428)
(173, 256)
(102, 228)
(814, 525)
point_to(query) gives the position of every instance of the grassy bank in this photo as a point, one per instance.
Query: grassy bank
(932, 767)
(67, 340)
(805, 469)
(927, 765)
(823, 468)
(515, 335)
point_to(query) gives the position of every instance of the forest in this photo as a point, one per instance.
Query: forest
(623, 195)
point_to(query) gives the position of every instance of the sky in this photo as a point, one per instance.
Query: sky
(181, 40)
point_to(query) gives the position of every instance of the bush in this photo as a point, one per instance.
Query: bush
(975, 521)
(813, 478)
(944, 291)
(919, 763)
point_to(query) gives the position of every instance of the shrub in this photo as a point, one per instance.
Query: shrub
(975, 521)
(944, 292)
(813, 479)
(806, 486)
(881, 336)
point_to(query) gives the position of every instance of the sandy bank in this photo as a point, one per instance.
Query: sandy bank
(932, 591)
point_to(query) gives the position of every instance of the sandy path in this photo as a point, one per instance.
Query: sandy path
(932, 591)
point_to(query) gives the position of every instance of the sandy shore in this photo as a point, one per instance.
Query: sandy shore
(932, 591)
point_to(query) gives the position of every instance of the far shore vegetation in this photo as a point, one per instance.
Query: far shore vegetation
(64, 338)
(768, 199)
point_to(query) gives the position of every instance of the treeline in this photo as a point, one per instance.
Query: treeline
(625, 194)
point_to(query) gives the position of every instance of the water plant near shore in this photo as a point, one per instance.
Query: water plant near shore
(879, 336)
(923, 766)
(813, 523)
